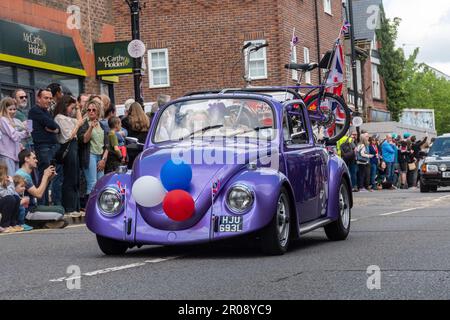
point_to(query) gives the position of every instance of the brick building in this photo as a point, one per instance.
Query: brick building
(372, 99)
(195, 44)
(40, 43)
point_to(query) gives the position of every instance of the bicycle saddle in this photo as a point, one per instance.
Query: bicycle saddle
(301, 66)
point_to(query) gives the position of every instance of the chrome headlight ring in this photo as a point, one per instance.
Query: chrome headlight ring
(240, 198)
(110, 202)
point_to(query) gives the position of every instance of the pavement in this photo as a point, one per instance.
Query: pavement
(404, 233)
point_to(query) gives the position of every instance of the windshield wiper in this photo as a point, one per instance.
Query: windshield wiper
(202, 130)
(251, 130)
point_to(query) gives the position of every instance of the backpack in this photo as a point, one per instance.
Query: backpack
(347, 153)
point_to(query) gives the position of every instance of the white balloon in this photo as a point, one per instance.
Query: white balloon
(148, 191)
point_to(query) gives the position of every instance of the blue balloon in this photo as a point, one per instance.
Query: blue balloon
(176, 176)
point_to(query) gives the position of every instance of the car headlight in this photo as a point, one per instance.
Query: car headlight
(432, 168)
(443, 167)
(110, 201)
(240, 198)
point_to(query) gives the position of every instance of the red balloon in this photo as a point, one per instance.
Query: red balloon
(178, 205)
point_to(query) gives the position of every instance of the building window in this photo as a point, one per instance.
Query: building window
(348, 72)
(294, 60)
(327, 6)
(306, 60)
(257, 62)
(158, 60)
(376, 88)
(359, 76)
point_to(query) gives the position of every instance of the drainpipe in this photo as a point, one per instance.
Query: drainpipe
(316, 9)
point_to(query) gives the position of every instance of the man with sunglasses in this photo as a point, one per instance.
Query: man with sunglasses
(23, 107)
(46, 145)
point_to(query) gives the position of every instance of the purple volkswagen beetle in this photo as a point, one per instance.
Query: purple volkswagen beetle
(253, 168)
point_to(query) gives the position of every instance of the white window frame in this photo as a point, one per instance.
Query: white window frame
(359, 75)
(294, 60)
(306, 59)
(327, 6)
(376, 85)
(256, 42)
(151, 68)
(348, 72)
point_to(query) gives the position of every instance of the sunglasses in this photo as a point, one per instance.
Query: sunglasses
(23, 97)
(91, 110)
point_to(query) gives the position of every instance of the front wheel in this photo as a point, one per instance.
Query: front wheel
(275, 237)
(339, 229)
(111, 247)
(332, 119)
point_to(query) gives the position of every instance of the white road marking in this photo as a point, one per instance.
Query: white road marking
(117, 268)
(353, 220)
(42, 230)
(400, 211)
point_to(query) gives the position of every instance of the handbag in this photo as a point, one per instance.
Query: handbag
(62, 152)
(412, 166)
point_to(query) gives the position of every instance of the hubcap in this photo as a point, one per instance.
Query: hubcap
(283, 220)
(344, 207)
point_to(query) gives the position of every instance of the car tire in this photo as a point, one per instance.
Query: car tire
(111, 247)
(339, 229)
(424, 188)
(276, 236)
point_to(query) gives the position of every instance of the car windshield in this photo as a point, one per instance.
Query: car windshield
(440, 147)
(215, 118)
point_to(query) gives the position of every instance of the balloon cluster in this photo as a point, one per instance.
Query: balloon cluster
(171, 191)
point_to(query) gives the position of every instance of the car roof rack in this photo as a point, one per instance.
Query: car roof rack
(260, 90)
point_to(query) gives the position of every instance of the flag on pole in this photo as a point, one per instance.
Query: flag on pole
(215, 187)
(336, 76)
(345, 27)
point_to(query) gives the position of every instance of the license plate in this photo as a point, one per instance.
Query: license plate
(445, 174)
(230, 224)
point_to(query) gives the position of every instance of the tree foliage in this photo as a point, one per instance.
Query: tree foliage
(408, 83)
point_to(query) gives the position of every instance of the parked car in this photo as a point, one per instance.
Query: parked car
(218, 166)
(435, 169)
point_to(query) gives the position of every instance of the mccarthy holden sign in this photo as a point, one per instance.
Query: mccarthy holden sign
(112, 58)
(26, 45)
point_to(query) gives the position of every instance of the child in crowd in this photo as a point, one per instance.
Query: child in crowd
(9, 202)
(115, 155)
(20, 185)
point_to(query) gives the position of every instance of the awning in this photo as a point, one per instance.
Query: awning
(29, 46)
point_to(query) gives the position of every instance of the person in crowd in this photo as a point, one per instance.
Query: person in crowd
(416, 147)
(45, 131)
(20, 185)
(9, 202)
(161, 100)
(57, 94)
(404, 155)
(389, 150)
(374, 161)
(93, 146)
(81, 101)
(23, 107)
(127, 105)
(137, 122)
(68, 153)
(106, 102)
(13, 132)
(28, 163)
(115, 155)
(363, 160)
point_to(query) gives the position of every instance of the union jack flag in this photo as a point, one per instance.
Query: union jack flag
(215, 187)
(122, 188)
(345, 27)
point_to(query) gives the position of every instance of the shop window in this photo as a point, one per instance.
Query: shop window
(24, 77)
(6, 74)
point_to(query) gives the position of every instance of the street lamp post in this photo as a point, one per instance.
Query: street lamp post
(349, 14)
(137, 62)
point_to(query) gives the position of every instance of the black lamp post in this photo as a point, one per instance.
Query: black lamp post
(137, 62)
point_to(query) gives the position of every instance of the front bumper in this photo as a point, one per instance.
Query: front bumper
(434, 179)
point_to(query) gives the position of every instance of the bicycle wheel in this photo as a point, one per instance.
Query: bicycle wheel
(332, 119)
